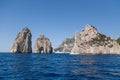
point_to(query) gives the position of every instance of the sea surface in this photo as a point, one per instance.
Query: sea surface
(59, 67)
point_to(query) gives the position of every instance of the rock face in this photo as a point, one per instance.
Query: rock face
(89, 40)
(43, 45)
(22, 43)
(66, 45)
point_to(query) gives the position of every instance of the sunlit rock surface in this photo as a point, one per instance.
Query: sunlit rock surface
(66, 45)
(22, 42)
(89, 40)
(43, 45)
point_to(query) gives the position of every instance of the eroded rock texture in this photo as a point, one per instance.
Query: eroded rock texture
(43, 45)
(89, 40)
(66, 45)
(22, 43)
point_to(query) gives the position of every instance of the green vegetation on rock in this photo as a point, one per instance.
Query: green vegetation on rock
(118, 40)
(110, 46)
(101, 40)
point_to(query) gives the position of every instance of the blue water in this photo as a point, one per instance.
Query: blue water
(59, 67)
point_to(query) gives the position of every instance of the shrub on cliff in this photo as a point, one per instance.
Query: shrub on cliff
(118, 40)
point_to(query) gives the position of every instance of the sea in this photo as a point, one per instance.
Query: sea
(59, 66)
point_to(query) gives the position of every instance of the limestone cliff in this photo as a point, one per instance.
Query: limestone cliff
(43, 45)
(66, 45)
(22, 43)
(89, 40)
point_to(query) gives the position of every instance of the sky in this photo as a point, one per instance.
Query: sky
(56, 19)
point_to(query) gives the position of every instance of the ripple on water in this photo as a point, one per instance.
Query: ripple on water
(59, 67)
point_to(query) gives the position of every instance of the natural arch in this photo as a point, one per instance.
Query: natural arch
(41, 50)
(43, 45)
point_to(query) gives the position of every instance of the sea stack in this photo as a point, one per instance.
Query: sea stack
(43, 45)
(23, 43)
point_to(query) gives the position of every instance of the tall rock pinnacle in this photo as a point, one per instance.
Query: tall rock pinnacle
(22, 43)
(43, 45)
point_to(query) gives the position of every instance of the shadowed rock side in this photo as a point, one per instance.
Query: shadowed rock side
(43, 45)
(89, 40)
(66, 45)
(22, 43)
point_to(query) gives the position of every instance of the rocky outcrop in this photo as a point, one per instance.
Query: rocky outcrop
(43, 45)
(22, 43)
(66, 45)
(89, 40)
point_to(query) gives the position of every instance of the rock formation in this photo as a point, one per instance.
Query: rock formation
(89, 40)
(22, 43)
(43, 45)
(66, 45)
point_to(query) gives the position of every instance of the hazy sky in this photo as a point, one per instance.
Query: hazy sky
(57, 19)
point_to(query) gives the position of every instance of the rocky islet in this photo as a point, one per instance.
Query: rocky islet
(43, 45)
(22, 43)
(89, 40)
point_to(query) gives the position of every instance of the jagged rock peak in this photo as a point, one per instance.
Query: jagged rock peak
(89, 26)
(42, 37)
(43, 45)
(26, 29)
(89, 32)
(89, 29)
(23, 43)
